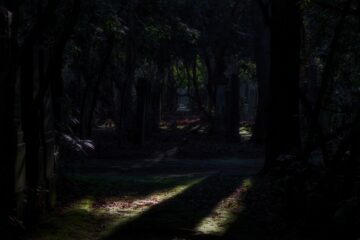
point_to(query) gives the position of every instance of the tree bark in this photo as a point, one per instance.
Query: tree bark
(325, 81)
(156, 94)
(88, 119)
(283, 124)
(7, 126)
(262, 58)
(234, 108)
(126, 114)
(221, 82)
(142, 107)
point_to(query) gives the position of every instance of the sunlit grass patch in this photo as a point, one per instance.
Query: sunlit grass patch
(226, 212)
(138, 207)
(123, 205)
(245, 132)
(76, 221)
(99, 212)
(85, 204)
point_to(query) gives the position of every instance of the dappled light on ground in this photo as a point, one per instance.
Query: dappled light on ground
(245, 132)
(94, 216)
(123, 210)
(225, 213)
(179, 216)
(78, 221)
(133, 206)
(85, 204)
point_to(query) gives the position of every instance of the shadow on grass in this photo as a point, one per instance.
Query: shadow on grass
(275, 211)
(77, 187)
(73, 224)
(177, 217)
(174, 217)
(265, 217)
(91, 200)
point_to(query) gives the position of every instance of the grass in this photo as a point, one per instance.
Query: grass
(114, 203)
(107, 202)
(226, 212)
(173, 198)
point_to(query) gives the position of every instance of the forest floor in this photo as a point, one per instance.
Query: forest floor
(181, 185)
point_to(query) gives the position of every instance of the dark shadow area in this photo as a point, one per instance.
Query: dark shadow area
(274, 209)
(262, 215)
(99, 187)
(190, 207)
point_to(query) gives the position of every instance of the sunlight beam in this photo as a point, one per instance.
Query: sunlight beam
(225, 213)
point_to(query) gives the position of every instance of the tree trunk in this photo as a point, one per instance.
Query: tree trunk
(262, 58)
(283, 125)
(7, 126)
(210, 83)
(31, 123)
(325, 81)
(198, 98)
(234, 108)
(156, 94)
(96, 89)
(221, 118)
(142, 106)
(170, 93)
(126, 115)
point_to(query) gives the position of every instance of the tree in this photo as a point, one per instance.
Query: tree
(262, 58)
(7, 123)
(283, 123)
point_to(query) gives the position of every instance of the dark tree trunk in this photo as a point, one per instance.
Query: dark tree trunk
(7, 126)
(210, 83)
(198, 97)
(126, 114)
(283, 125)
(156, 94)
(54, 71)
(96, 89)
(36, 83)
(262, 58)
(234, 108)
(85, 110)
(170, 93)
(352, 164)
(221, 82)
(325, 81)
(196, 84)
(31, 123)
(142, 106)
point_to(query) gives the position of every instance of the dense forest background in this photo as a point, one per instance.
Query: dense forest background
(278, 76)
